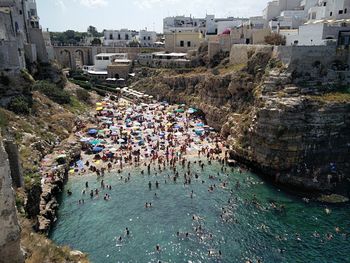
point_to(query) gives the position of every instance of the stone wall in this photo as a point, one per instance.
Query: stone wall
(10, 249)
(240, 54)
(9, 59)
(305, 56)
(36, 37)
(213, 49)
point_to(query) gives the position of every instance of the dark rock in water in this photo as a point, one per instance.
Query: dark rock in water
(333, 198)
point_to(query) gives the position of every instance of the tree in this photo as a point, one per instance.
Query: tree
(275, 39)
(92, 31)
(96, 42)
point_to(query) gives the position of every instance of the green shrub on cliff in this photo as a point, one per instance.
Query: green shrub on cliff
(20, 105)
(83, 95)
(53, 92)
(30, 180)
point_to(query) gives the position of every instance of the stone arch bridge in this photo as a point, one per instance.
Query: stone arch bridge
(75, 57)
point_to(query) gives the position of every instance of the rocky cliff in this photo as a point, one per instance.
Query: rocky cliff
(10, 234)
(290, 123)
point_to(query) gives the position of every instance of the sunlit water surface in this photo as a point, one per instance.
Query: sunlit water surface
(251, 233)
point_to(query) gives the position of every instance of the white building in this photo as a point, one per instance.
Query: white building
(227, 23)
(256, 22)
(21, 38)
(103, 60)
(274, 8)
(119, 38)
(288, 19)
(329, 9)
(147, 38)
(206, 26)
(105, 64)
(178, 24)
(327, 21)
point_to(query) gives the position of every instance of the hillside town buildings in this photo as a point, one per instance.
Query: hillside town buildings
(119, 38)
(299, 22)
(21, 39)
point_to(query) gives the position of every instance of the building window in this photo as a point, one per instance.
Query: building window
(331, 13)
(340, 12)
(345, 10)
(149, 38)
(313, 15)
(110, 36)
(144, 38)
(188, 43)
(126, 37)
(182, 44)
(325, 4)
(118, 36)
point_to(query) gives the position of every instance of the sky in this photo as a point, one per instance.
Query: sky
(61, 15)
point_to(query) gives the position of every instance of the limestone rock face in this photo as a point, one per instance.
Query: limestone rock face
(291, 132)
(10, 249)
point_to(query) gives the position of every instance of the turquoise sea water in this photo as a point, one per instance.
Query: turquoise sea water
(255, 232)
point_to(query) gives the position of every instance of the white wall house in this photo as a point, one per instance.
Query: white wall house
(329, 9)
(103, 60)
(228, 23)
(327, 20)
(119, 38)
(147, 38)
(206, 26)
(256, 22)
(274, 8)
(178, 24)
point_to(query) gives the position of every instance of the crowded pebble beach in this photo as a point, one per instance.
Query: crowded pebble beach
(126, 134)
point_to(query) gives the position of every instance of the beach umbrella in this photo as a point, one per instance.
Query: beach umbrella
(92, 131)
(121, 140)
(61, 156)
(97, 149)
(84, 139)
(99, 109)
(98, 104)
(114, 133)
(200, 124)
(95, 142)
(180, 110)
